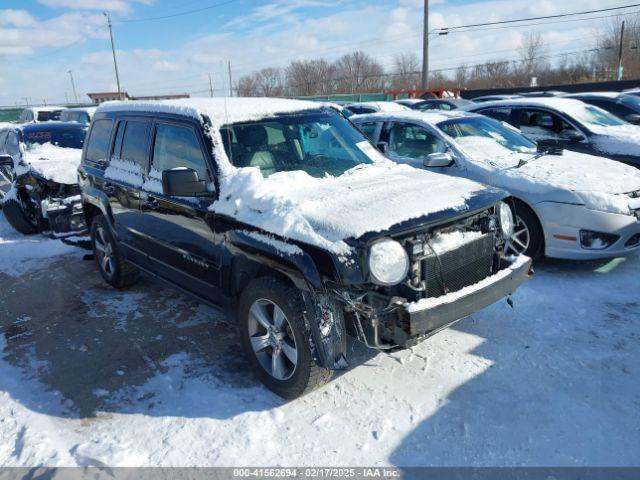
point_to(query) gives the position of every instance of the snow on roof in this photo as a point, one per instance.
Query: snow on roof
(431, 117)
(90, 110)
(559, 103)
(381, 106)
(594, 94)
(219, 110)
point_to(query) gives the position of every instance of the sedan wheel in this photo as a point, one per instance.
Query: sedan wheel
(520, 240)
(272, 339)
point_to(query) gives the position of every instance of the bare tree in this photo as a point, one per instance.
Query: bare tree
(406, 71)
(532, 58)
(268, 82)
(310, 77)
(359, 72)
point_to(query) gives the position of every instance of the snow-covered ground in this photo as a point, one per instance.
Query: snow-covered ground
(94, 376)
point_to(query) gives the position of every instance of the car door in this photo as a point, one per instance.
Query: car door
(123, 179)
(178, 231)
(410, 143)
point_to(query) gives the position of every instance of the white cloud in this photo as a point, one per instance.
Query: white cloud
(16, 18)
(119, 6)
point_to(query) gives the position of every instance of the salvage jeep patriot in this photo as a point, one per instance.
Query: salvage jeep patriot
(285, 208)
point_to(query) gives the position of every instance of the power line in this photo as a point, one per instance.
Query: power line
(546, 17)
(179, 14)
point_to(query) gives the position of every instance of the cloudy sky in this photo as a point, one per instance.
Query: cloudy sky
(167, 46)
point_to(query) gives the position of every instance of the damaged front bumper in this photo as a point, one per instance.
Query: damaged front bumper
(404, 324)
(65, 216)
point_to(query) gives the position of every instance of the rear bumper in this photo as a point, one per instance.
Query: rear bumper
(428, 316)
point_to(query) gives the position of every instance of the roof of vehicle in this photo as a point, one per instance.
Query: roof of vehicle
(410, 101)
(381, 106)
(431, 117)
(49, 108)
(51, 126)
(558, 103)
(594, 95)
(219, 110)
(89, 110)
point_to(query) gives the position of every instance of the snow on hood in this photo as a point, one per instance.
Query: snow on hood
(326, 211)
(622, 140)
(52, 162)
(571, 170)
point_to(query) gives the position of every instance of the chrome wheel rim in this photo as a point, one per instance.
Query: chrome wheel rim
(104, 252)
(272, 339)
(519, 241)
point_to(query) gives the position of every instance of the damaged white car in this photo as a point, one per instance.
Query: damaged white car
(569, 205)
(38, 177)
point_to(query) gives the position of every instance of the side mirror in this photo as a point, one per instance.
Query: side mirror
(438, 160)
(183, 182)
(6, 160)
(383, 147)
(633, 118)
(575, 137)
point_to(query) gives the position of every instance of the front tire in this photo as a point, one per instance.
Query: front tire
(113, 267)
(527, 237)
(272, 330)
(18, 219)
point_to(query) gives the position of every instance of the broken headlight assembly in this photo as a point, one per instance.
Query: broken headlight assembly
(388, 262)
(507, 222)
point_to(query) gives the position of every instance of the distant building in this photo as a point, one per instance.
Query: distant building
(101, 97)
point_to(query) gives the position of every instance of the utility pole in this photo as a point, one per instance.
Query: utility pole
(73, 85)
(425, 47)
(620, 68)
(230, 82)
(210, 86)
(113, 50)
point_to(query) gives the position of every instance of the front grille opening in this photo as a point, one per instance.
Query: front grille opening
(455, 269)
(634, 241)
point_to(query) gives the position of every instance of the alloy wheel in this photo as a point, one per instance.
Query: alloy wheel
(104, 252)
(272, 339)
(520, 238)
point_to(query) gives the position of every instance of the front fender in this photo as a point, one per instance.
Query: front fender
(97, 198)
(324, 320)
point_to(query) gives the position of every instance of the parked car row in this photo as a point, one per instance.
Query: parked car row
(293, 214)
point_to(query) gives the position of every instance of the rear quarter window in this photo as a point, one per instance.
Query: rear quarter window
(99, 140)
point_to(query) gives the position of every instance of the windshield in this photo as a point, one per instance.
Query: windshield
(48, 116)
(488, 128)
(67, 138)
(593, 116)
(317, 143)
(631, 101)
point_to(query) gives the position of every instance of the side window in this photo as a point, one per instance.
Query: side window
(426, 106)
(541, 122)
(98, 142)
(135, 142)
(445, 106)
(176, 147)
(369, 129)
(411, 141)
(12, 145)
(3, 138)
(500, 114)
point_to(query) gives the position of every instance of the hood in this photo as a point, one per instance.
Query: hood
(326, 211)
(53, 163)
(623, 140)
(570, 171)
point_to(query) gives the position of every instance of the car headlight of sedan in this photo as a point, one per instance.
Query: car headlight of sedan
(606, 202)
(388, 262)
(507, 223)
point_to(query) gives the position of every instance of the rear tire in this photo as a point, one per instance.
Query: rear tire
(113, 267)
(17, 218)
(271, 318)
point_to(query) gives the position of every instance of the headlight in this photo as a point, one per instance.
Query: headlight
(388, 262)
(506, 219)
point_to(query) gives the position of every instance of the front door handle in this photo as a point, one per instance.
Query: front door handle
(152, 203)
(109, 189)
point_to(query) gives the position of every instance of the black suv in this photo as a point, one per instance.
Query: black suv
(284, 208)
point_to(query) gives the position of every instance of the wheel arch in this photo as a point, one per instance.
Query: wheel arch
(521, 204)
